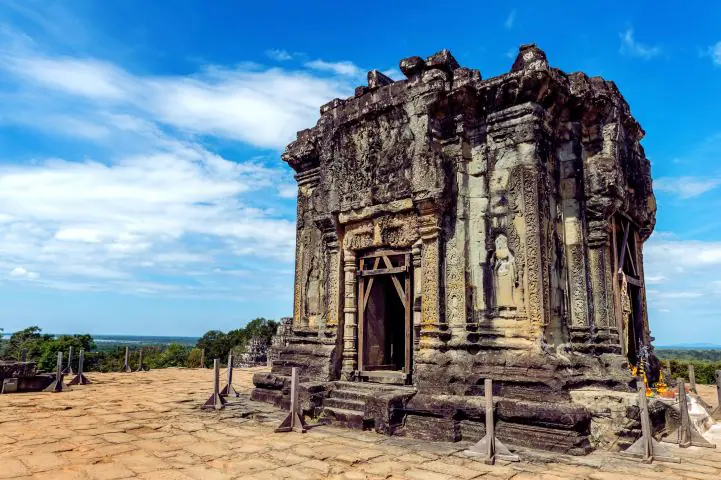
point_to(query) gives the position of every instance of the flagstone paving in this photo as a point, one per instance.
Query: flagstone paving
(148, 425)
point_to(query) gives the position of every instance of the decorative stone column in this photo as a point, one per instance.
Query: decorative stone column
(430, 227)
(350, 310)
(417, 289)
(328, 227)
(601, 275)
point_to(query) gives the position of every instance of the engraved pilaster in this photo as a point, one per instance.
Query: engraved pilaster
(350, 309)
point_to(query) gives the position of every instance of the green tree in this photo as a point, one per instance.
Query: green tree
(29, 339)
(194, 357)
(174, 355)
(51, 347)
(216, 345)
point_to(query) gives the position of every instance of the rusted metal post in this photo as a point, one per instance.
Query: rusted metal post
(489, 446)
(686, 434)
(294, 421)
(126, 368)
(57, 385)
(141, 367)
(80, 378)
(228, 390)
(647, 448)
(202, 358)
(716, 415)
(215, 401)
(69, 369)
(692, 377)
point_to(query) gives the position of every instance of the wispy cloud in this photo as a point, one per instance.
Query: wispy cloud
(714, 51)
(339, 68)
(510, 20)
(262, 107)
(686, 187)
(279, 55)
(154, 210)
(630, 46)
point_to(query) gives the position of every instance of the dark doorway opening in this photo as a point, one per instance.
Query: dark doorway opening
(384, 329)
(384, 312)
(628, 286)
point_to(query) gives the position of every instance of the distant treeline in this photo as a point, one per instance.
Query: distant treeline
(705, 362)
(108, 357)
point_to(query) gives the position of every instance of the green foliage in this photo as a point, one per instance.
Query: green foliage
(175, 355)
(704, 371)
(51, 347)
(217, 344)
(704, 355)
(29, 339)
(43, 348)
(194, 358)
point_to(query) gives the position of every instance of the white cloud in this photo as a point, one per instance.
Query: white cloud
(84, 77)
(262, 107)
(21, 272)
(394, 73)
(339, 68)
(686, 187)
(655, 279)
(714, 51)
(148, 208)
(630, 46)
(279, 55)
(288, 191)
(510, 20)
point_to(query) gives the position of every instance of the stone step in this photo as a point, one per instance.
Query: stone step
(344, 417)
(345, 403)
(351, 394)
(371, 387)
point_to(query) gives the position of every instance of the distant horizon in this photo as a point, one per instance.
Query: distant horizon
(98, 335)
(102, 336)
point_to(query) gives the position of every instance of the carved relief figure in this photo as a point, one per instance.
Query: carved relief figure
(505, 275)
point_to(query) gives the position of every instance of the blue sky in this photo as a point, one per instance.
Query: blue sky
(141, 187)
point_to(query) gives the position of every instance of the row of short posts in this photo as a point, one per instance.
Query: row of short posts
(126, 363)
(715, 414)
(686, 434)
(58, 384)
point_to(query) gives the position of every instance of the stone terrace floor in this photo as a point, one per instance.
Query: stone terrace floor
(148, 425)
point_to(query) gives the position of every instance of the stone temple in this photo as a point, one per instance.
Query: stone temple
(453, 228)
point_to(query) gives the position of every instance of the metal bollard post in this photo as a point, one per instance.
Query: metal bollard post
(215, 401)
(57, 385)
(141, 367)
(489, 446)
(294, 421)
(716, 415)
(692, 377)
(69, 368)
(228, 390)
(647, 448)
(126, 368)
(80, 378)
(686, 434)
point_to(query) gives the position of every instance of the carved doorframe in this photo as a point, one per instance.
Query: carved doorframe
(625, 244)
(381, 262)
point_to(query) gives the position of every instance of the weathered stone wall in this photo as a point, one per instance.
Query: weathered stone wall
(503, 192)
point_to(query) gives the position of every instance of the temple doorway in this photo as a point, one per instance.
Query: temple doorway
(628, 286)
(384, 312)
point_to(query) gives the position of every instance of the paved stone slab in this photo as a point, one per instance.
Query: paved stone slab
(183, 442)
